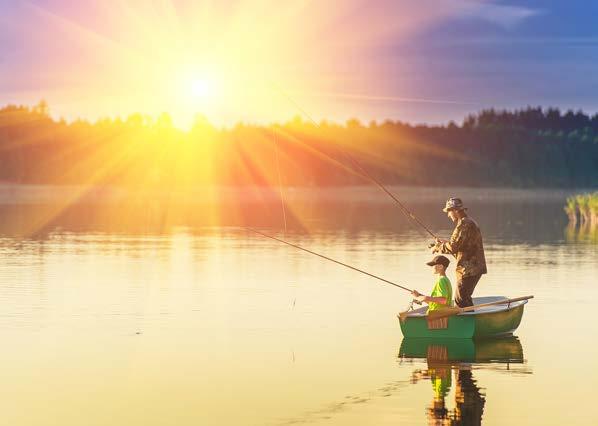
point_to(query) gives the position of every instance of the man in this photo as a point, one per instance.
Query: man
(442, 292)
(466, 245)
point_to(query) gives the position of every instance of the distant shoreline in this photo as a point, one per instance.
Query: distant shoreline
(529, 148)
(15, 194)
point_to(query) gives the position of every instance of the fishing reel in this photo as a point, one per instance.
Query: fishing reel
(403, 315)
(434, 246)
(413, 302)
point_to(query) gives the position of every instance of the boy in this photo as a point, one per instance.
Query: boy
(442, 293)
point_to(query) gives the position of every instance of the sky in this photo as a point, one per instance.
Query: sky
(420, 61)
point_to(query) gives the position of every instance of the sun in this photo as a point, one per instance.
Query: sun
(195, 91)
(202, 88)
(198, 85)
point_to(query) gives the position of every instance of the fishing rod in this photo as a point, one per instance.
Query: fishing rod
(367, 174)
(406, 211)
(327, 258)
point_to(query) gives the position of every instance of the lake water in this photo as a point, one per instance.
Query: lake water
(107, 319)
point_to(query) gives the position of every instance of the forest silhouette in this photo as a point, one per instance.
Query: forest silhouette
(531, 147)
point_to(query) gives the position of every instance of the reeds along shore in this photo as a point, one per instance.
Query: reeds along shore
(582, 210)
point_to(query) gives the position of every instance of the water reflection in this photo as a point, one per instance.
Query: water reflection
(451, 364)
(219, 326)
(587, 233)
(510, 216)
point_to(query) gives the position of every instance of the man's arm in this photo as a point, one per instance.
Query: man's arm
(457, 239)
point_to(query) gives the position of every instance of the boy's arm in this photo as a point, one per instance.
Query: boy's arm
(440, 300)
(428, 299)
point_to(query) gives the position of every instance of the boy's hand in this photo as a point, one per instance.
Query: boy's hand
(418, 296)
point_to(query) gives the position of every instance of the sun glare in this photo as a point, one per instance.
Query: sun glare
(196, 92)
(201, 88)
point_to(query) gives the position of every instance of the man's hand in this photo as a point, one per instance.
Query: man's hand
(416, 293)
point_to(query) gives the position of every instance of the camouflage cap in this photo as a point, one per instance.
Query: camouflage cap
(453, 204)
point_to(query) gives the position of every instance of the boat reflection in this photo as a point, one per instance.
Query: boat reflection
(451, 364)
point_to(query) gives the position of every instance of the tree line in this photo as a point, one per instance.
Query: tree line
(531, 147)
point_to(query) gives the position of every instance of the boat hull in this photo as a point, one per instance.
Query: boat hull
(467, 325)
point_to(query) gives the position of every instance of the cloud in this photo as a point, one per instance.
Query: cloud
(366, 97)
(504, 16)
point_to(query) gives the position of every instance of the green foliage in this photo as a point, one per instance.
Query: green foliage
(571, 203)
(584, 204)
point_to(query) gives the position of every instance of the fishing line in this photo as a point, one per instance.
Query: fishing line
(363, 171)
(327, 258)
(284, 214)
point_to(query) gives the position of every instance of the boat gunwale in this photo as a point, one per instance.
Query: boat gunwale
(422, 312)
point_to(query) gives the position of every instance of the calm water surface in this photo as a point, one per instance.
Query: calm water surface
(214, 326)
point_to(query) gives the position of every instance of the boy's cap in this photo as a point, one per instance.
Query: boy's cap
(439, 260)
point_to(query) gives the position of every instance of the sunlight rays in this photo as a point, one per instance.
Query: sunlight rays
(230, 63)
(125, 55)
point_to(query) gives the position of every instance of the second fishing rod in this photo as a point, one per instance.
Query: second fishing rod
(263, 234)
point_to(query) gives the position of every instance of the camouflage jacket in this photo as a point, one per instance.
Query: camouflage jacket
(466, 245)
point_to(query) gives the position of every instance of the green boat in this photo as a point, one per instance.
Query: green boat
(487, 321)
